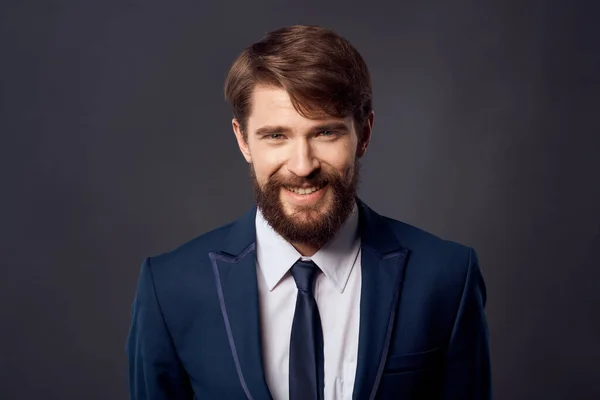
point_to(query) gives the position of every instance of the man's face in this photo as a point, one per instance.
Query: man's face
(305, 171)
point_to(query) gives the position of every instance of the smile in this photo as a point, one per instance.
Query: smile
(304, 191)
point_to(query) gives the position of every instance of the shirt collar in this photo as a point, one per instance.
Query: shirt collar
(336, 259)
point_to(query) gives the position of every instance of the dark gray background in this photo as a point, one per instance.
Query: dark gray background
(116, 144)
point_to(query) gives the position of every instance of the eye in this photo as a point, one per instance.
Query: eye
(326, 133)
(273, 136)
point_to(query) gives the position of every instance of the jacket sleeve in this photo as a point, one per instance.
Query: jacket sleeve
(155, 371)
(468, 370)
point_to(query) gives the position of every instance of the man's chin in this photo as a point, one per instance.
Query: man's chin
(303, 217)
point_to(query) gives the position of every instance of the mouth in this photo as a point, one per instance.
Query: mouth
(304, 191)
(304, 196)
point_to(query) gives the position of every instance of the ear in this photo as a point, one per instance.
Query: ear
(365, 135)
(241, 141)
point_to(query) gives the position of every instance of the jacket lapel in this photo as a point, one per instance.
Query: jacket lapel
(234, 268)
(383, 260)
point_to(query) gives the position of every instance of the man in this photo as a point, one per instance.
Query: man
(312, 294)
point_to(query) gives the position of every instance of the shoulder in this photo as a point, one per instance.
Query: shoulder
(431, 255)
(420, 240)
(191, 257)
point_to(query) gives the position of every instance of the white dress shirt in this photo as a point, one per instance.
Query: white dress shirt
(337, 293)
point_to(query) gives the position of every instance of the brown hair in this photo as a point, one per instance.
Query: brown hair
(322, 72)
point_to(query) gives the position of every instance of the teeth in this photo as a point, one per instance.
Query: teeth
(303, 191)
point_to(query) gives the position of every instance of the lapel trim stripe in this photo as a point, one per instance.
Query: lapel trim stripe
(390, 327)
(230, 259)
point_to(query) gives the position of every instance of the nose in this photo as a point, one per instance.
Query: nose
(302, 161)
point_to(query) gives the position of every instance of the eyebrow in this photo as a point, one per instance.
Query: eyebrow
(277, 129)
(331, 126)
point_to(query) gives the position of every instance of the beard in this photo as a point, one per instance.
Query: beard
(312, 225)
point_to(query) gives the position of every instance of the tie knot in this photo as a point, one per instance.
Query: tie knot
(304, 273)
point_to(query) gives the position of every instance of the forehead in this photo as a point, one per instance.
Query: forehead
(269, 100)
(271, 105)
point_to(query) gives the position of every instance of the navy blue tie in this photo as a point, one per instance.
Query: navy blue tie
(306, 343)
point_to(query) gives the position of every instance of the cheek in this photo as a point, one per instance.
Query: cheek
(342, 154)
(343, 163)
(260, 174)
(264, 169)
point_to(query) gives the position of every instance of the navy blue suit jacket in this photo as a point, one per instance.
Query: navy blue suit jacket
(423, 332)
